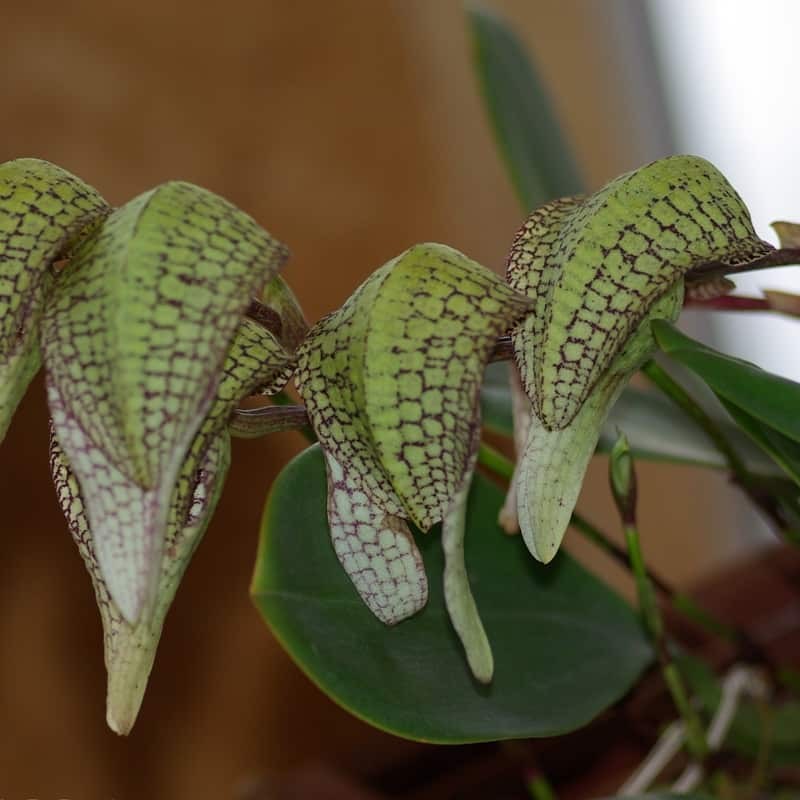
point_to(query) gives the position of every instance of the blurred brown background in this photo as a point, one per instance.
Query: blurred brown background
(350, 130)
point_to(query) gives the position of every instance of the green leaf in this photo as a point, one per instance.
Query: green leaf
(784, 451)
(656, 430)
(567, 647)
(525, 125)
(768, 398)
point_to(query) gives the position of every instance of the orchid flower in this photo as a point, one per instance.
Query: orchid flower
(135, 338)
(391, 383)
(257, 361)
(147, 353)
(599, 270)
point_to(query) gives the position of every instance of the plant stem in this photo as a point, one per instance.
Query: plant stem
(611, 548)
(654, 624)
(730, 302)
(493, 459)
(778, 257)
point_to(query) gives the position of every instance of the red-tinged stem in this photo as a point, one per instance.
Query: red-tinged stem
(730, 302)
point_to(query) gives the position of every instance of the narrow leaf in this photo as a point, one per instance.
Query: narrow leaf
(525, 126)
(770, 399)
(784, 451)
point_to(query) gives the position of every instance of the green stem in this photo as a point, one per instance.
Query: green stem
(693, 729)
(622, 476)
(494, 460)
(644, 586)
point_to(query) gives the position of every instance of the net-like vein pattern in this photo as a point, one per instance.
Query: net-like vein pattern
(606, 260)
(137, 333)
(255, 359)
(391, 384)
(134, 343)
(43, 212)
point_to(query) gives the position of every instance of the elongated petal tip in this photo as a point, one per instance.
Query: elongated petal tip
(128, 673)
(458, 596)
(551, 471)
(507, 518)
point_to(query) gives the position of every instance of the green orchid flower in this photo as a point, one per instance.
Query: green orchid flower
(44, 213)
(598, 271)
(138, 314)
(257, 361)
(135, 337)
(391, 383)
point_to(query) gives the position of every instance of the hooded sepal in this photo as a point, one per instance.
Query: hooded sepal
(134, 341)
(391, 384)
(596, 266)
(44, 210)
(598, 269)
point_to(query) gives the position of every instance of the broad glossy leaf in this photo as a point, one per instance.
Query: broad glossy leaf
(44, 210)
(525, 126)
(656, 430)
(566, 646)
(134, 341)
(770, 399)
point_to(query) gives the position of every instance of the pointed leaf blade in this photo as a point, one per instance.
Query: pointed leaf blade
(770, 399)
(526, 129)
